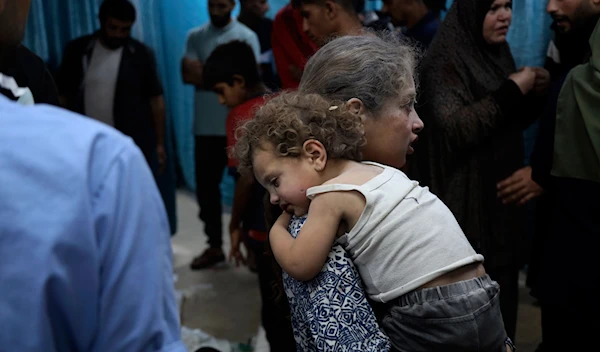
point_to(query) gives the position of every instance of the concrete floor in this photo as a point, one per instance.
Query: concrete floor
(224, 301)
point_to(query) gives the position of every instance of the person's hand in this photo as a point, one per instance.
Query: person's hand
(235, 254)
(525, 79)
(519, 188)
(162, 158)
(542, 80)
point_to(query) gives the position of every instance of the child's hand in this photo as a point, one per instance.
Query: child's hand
(235, 254)
(284, 220)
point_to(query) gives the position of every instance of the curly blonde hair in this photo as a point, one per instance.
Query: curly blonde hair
(289, 119)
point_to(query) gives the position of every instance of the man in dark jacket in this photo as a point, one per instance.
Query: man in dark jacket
(112, 78)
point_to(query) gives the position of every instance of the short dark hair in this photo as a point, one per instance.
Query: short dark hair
(436, 6)
(227, 60)
(122, 10)
(351, 6)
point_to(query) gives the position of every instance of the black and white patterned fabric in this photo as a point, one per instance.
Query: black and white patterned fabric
(330, 312)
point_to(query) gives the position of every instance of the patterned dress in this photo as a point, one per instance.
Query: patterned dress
(331, 312)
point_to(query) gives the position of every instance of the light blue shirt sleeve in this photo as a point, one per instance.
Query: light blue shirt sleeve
(137, 306)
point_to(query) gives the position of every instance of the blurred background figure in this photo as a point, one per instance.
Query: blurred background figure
(209, 121)
(253, 15)
(113, 78)
(291, 45)
(23, 75)
(414, 19)
(475, 105)
(327, 19)
(564, 141)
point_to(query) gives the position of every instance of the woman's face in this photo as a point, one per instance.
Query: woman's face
(391, 133)
(497, 21)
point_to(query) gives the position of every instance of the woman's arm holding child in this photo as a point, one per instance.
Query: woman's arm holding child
(303, 257)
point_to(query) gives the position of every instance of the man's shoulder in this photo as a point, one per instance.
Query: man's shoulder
(67, 149)
(198, 31)
(81, 43)
(140, 48)
(138, 45)
(73, 134)
(243, 31)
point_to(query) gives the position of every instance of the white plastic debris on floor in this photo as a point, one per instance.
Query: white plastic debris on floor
(195, 339)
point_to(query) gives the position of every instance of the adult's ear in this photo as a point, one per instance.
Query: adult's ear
(331, 9)
(356, 106)
(315, 152)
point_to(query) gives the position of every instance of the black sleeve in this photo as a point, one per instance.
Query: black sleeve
(509, 98)
(532, 109)
(512, 102)
(542, 155)
(50, 90)
(543, 150)
(152, 84)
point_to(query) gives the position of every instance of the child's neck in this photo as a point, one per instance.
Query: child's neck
(336, 167)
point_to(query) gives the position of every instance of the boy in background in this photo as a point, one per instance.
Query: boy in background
(232, 72)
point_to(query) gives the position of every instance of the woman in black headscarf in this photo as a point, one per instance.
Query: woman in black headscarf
(475, 106)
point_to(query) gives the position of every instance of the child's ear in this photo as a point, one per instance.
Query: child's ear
(239, 80)
(316, 153)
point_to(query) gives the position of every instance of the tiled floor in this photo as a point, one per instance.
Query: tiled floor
(224, 302)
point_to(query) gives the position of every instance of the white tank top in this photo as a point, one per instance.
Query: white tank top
(405, 237)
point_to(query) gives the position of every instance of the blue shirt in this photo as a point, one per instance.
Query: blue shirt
(209, 115)
(85, 256)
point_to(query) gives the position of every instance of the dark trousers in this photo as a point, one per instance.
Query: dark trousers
(211, 159)
(275, 313)
(508, 279)
(571, 326)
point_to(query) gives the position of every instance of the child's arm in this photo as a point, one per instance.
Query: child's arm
(303, 258)
(241, 197)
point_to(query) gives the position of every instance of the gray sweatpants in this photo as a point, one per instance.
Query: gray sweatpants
(461, 317)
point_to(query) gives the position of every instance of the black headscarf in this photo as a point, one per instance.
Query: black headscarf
(470, 142)
(460, 40)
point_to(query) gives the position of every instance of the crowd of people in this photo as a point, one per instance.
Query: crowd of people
(379, 168)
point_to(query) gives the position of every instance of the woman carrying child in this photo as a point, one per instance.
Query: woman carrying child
(409, 249)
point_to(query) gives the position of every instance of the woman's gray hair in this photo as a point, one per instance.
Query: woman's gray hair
(370, 67)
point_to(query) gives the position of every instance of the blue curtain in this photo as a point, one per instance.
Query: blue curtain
(529, 37)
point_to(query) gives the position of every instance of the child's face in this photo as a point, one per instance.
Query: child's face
(390, 135)
(285, 178)
(230, 95)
